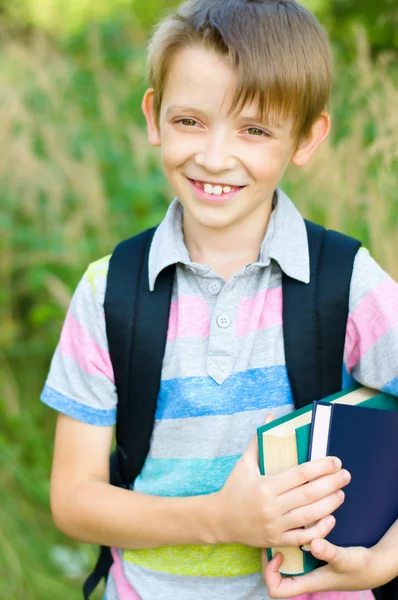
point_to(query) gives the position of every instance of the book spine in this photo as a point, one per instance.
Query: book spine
(313, 413)
(330, 429)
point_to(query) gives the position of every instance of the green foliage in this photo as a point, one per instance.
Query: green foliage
(63, 18)
(379, 20)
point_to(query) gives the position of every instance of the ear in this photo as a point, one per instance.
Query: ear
(319, 132)
(147, 109)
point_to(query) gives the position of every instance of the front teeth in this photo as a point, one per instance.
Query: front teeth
(217, 190)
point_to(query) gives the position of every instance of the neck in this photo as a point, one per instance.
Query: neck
(227, 250)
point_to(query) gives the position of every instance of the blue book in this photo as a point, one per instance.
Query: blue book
(366, 440)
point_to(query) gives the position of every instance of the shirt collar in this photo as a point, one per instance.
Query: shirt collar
(285, 242)
(168, 247)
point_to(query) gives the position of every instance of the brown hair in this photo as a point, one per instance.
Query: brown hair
(278, 49)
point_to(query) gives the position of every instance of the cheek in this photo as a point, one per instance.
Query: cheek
(176, 147)
(268, 164)
(175, 151)
(264, 168)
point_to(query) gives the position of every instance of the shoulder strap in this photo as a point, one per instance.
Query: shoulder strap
(136, 327)
(315, 316)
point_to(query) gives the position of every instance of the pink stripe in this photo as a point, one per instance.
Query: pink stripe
(368, 595)
(76, 343)
(374, 317)
(189, 317)
(260, 312)
(123, 588)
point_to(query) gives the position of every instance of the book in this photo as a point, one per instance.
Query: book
(284, 443)
(366, 440)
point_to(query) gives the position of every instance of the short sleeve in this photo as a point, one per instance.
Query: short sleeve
(80, 382)
(371, 345)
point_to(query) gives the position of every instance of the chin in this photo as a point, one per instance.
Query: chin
(212, 217)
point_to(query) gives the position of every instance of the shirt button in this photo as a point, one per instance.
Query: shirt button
(214, 288)
(223, 321)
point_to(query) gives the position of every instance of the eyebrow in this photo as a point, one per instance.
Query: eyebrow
(182, 108)
(258, 119)
(191, 109)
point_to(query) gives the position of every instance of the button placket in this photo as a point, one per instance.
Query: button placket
(221, 340)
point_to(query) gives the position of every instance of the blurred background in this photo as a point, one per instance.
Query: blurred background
(77, 175)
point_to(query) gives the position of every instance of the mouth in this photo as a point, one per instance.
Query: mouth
(214, 192)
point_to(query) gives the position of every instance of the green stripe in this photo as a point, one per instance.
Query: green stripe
(222, 560)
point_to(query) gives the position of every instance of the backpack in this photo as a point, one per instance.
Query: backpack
(314, 317)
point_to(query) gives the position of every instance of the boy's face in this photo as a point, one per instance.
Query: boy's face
(239, 155)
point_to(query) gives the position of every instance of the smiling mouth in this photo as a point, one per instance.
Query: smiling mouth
(217, 189)
(210, 192)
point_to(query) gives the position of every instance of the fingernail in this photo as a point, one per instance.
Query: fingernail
(337, 462)
(341, 494)
(330, 521)
(346, 475)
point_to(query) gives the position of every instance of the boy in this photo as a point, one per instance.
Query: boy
(239, 90)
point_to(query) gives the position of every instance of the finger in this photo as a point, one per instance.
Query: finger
(264, 558)
(270, 418)
(342, 560)
(302, 474)
(289, 587)
(325, 550)
(304, 536)
(271, 574)
(312, 513)
(314, 490)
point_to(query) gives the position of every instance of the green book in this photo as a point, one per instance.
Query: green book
(284, 444)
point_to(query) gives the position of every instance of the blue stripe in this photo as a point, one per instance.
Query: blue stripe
(348, 380)
(391, 387)
(76, 410)
(255, 389)
(184, 477)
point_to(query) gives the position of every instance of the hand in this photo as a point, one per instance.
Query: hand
(348, 569)
(269, 511)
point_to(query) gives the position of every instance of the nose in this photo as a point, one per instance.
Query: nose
(215, 156)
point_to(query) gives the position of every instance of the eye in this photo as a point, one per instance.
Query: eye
(186, 122)
(257, 132)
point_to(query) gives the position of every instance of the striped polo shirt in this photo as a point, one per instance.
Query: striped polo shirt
(224, 370)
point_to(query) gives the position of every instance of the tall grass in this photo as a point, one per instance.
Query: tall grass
(77, 175)
(351, 183)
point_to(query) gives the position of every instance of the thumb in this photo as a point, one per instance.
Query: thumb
(340, 559)
(270, 418)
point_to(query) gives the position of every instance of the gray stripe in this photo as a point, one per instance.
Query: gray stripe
(379, 365)
(111, 592)
(89, 390)
(189, 284)
(153, 585)
(257, 350)
(366, 276)
(195, 438)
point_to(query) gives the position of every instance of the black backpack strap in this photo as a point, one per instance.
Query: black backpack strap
(136, 326)
(315, 316)
(101, 570)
